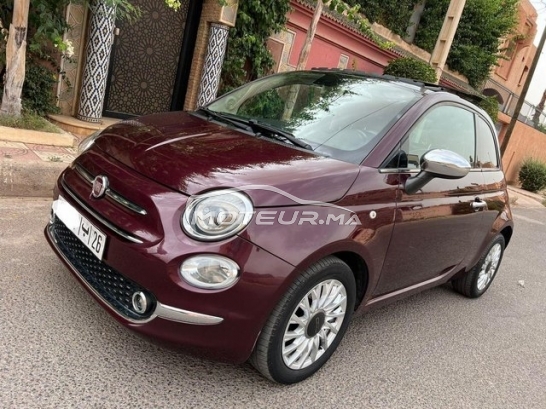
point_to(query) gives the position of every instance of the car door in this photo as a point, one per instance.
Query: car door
(436, 227)
(494, 191)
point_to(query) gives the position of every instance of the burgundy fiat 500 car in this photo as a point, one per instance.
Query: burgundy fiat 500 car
(255, 227)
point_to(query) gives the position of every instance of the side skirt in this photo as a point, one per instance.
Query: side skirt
(389, 298)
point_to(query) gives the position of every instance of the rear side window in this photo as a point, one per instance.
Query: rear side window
(486, 151)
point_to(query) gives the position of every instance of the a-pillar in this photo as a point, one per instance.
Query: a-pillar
(95, 75)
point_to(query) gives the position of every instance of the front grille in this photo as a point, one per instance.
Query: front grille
(113, 287)
(110, 193)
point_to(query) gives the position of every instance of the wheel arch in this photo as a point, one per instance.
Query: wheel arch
(507, 234)
(356, 256)
(360, 271)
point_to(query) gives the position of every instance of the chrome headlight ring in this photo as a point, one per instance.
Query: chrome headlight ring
(217, 215)
(210, 272)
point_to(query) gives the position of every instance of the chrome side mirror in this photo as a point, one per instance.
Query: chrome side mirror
(438, 163)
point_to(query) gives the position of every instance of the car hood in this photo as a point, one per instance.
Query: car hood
(192, 155)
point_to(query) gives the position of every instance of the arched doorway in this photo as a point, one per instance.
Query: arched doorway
(491, 92)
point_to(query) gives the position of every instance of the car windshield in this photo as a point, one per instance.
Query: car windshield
(338, 115)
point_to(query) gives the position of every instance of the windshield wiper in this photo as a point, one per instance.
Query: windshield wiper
(254, 126)
(278, 134)
(223, 118)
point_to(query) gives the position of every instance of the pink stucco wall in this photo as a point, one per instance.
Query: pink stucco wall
(525, 142)
(333, 40)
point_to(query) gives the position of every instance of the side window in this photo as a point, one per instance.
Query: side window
(444, 127)
(486, 151)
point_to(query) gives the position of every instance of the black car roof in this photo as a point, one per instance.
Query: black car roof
(473, 98)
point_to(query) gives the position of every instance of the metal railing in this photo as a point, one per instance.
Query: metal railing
(508, 101)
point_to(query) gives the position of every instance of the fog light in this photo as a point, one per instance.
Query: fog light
(210, 272)
(140, 302)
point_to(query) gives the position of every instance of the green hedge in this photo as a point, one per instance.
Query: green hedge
(38, 90)
(408, 67)
(532, 175)
(491, 106)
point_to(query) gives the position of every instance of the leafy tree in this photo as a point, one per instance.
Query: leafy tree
(491, 106)
(541, 128)
(483, 26)
(247, 56)
(532, 175)
(15, 59)
(394, 14)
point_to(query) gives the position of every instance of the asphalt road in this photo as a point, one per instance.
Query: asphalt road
(59, 349)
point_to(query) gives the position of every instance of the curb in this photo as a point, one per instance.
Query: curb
(525, 193)
(36, 137)
(28, 179)
(528, 200)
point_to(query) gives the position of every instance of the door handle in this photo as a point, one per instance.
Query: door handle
(478, 204)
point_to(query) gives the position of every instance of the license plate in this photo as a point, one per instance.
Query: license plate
(85, 231)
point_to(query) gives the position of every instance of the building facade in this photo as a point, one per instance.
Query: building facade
(508, 77)
(337, 44)
(166, 60)
(171, 60)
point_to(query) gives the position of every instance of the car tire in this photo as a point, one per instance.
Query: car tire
(476, 282)
(308, 317)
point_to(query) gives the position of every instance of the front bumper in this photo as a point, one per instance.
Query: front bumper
(221, 324)
(159, 310)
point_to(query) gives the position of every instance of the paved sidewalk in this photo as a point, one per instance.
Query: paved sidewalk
(30, 170)
(523, 198)
(26, 152)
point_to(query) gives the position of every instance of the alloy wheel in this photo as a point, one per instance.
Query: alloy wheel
(314, 324)
(489, 267)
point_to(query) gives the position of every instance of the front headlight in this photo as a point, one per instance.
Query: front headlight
(86, 143)
(217, 215)
(210, 272)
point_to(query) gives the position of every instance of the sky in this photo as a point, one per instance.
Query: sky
(538, 84)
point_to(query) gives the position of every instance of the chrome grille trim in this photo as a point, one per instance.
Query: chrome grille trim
(162, 311)
(110, 193)
(123, 234)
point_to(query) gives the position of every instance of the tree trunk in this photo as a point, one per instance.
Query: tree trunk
(306, 49)
(302, 61)
(15, 59)
(415, 19)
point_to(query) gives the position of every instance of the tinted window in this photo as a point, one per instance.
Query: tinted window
(444, 127)
(342, 116)
(486, 153)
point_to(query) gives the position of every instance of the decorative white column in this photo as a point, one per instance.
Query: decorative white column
(216, 50)
(99, 46)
